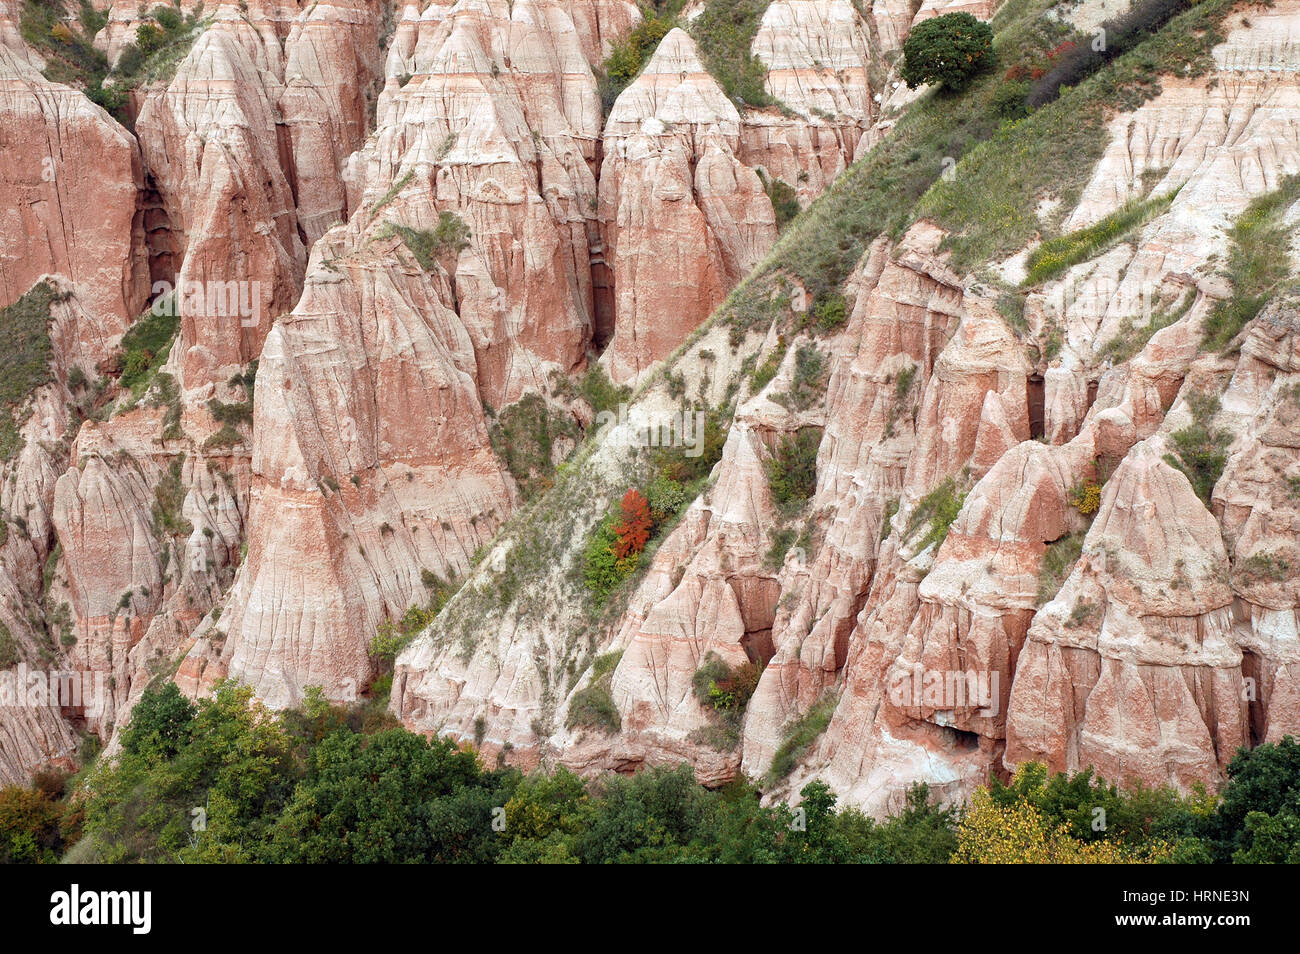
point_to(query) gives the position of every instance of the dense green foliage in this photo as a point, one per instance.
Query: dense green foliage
(225, 780)
(524, 436)
(145, 346)
(628, 56)
(25, 349)
(724, 36)
(948, 51)
(792, 469)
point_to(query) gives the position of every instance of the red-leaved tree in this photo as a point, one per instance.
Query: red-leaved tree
(634, 530)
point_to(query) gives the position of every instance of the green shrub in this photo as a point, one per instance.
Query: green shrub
(666, 497)
(428, 245)
(1058, 559)
(810, 377)
(785, 201)
(948, 51)
(9, 655)
(592, 707)
(937, 510)
(792, 469)
(1200, 450)
(799, 735)
(145, 346)
(627, 57)
(169, 498)
(524, 436)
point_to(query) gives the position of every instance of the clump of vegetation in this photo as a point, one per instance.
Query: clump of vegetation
(524, 436)
(762, 375)
(146, 344)
(614, 550)
(799, 736)
(948, 51)
(1058, 559)
(601, 393)
(9, 655)
(990, 205)
(724, 36)
(592, 707)
(161, 42)
(1200, 450)
(724, 692)
(810, 377)
(428, 245)
(1115, 36)
(830, 311)
(25, 348)
(1264, 567)
(169, 498)
(936, 510)
(70, 54)
(785, 201)
(1055, 255)
(323, 783)
(1130, 340)
(1258, 263)
(792, 469)
(1085, 497)
(627, 57)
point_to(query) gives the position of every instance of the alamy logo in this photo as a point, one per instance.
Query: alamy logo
(945, 689)
(679, 429)
(211, 300)
(76, 907)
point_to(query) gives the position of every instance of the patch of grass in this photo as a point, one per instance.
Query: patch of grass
(792, 469)
(1054, 256)
(398, 185)
(785, 201)
(70, 55)
(937, 510)
(764, 373)
(799, 737)
(880, 192)
(810, 377)
(524, 435)
(428, 245)
(9, 655)
(1058, 560)
(161, 42)
(1130, 340)
(724, 34)
(627, 57)
(990, 205)
(1258, 263)
(169, 498)
(1264, 567)
(1200, 450)
(25, 349)
(592, 707)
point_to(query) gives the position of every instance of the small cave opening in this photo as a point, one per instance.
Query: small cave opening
(960, 739)
(1092, 396)
(757, 598)
(602, 290)
(1035, 398)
